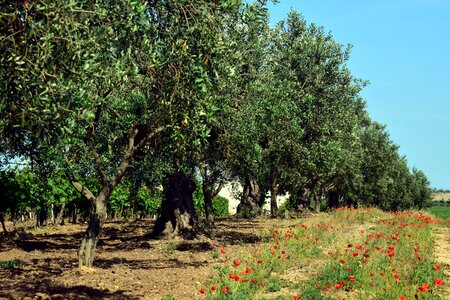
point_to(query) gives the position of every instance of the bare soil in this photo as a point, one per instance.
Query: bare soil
(131, 265)
(128, 264)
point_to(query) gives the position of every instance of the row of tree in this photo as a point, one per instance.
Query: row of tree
(164, 92)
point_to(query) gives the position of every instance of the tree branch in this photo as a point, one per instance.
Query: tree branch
(80, 187)
(131, 150)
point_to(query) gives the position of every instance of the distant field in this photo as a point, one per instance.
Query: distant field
(441, 196)
(442, 212)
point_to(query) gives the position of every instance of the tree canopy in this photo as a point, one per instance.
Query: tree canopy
(118, 99)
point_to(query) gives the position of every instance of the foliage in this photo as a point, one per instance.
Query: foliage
(220, 204)
(99, 90)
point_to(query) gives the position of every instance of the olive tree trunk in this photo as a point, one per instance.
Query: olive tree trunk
(250, 203)
(317, 200)
(60, 216)
(303, 199)
(273, 200)
(2, 220)
(92, 234)
(178, 215)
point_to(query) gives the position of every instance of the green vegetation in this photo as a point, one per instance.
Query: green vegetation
(348, 253)
(10, 263)
(442, 212)
(128, 109)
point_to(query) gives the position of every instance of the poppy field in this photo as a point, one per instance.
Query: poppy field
(346, 254)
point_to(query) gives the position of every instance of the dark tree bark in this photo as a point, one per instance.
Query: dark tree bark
(60, 216)
(211, 186)
(2, 220)
(250, 204)
(303, 199)
(333, 199)
(178, 215)
(209, 209)
(92, 234)
(273, 200)
(73, 213)
(317, 200)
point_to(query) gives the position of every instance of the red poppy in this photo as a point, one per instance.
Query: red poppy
(296, 297)
(396, 276)
(283, 258)
(350, 245)
(248, 271)
(437, 267)
(283, 251)
(236, 263)
(201, 291)
(213, 288)
(423, 288)
(338, 286)
(260, 261)
(438, 281)
(355, 254)
(402, 298)
(342, 261)
(222, 251)
(352, 278)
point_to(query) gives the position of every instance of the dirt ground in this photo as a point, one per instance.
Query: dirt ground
(128, 265)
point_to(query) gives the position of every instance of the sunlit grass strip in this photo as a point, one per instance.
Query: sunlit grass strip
(395, 261)
(354, 254)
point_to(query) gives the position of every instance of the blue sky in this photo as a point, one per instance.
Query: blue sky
(403, 48)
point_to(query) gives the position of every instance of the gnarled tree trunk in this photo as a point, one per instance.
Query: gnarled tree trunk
(317, 200)
(333, 199)
(178, 211)
(250, 203)
(211, 186)
(273, 200)
(209, 210)
(2, 220)
(60, 216)
(303, 199)
(92, 234)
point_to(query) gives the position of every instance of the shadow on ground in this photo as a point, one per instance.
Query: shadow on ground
(45, 289)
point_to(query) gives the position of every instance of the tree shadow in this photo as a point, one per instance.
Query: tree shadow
(148, 264)
(46, 289)
(236, 237)
(196, 247)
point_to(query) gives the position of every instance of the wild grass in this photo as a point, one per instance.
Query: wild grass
(442, 212)
(347, 254)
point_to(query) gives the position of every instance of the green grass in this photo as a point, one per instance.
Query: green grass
(10, 263)
(442, 212)
(353, 254)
